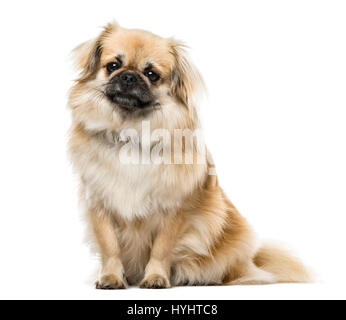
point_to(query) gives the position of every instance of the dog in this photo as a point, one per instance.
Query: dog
(157, 221)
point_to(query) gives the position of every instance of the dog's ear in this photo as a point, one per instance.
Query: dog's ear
(186, 81)
(87, 56)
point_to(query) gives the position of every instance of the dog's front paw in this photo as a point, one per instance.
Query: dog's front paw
(110, 282)
(155, 281)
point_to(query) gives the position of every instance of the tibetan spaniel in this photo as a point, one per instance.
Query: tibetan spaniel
(148, 186)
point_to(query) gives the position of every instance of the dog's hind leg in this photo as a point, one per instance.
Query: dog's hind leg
(254, 275)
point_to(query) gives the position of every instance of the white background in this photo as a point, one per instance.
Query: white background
(275, 121)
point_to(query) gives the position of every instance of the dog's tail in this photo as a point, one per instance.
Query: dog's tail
(282, 264)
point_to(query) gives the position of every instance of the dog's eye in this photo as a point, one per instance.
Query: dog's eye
(152, 75)
(112, 66)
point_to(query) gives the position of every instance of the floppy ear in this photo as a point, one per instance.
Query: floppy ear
(186, 80)
(87, 55)
(87, 58)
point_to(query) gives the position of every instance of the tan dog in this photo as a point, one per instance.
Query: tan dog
(156, 224)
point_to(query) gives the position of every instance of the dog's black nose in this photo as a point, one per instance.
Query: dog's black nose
(128, 78)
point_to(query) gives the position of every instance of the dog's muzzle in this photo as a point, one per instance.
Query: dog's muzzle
(128, 90)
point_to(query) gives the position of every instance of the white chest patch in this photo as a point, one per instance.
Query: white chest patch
(135, 190)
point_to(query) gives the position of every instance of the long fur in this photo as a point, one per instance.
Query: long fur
(158, 225)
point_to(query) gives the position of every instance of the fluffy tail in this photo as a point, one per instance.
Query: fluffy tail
(282, 264)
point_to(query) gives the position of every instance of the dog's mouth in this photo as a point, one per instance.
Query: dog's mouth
(130, 102)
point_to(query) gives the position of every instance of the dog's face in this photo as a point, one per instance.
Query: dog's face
(132, 74)
(134, 66)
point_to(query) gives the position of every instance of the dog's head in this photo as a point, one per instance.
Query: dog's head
(133, 74)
